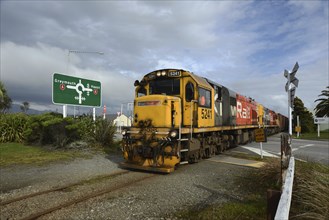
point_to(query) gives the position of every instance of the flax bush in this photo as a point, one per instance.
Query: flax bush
(104, 132)
(53, 129)
(310, 194)
(12, 127)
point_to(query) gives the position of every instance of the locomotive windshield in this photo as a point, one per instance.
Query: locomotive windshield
(165, 86)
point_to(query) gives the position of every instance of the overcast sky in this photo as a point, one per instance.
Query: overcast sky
(244, 45)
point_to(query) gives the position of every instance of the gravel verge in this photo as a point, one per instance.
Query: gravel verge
(193, 187)
(20, 180)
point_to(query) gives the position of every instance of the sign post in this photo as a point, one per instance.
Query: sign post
(104, 112)
(319, 121)
(69, 90)
(298, 128)
(260, 137)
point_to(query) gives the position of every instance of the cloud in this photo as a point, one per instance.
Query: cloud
(243, 45)
(28, 71)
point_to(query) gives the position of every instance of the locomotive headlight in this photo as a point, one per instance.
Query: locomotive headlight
(163, 73)
(173, 134)
(158, 74)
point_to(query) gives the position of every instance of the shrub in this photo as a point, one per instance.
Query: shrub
(50, 128)
(12, 127)
(83, 127)
(103, 132)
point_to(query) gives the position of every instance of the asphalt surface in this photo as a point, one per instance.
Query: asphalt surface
(306, 150)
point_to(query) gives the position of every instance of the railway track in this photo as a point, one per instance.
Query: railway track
(70, 202)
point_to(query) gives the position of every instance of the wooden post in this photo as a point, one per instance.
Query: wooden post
(273, 198)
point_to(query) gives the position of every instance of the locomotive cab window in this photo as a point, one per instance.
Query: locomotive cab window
(165, 86)
(204, 98)
(141, 92)
(219, 93)
(189, 92)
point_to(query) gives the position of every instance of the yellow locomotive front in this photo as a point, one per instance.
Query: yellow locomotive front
(151, 143)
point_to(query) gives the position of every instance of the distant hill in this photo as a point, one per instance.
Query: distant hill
(15, 108)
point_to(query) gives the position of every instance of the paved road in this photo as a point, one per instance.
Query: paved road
(308, 150)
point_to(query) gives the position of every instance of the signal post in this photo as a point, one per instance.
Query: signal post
(290, 87)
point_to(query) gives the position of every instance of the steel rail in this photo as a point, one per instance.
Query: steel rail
(84, 198)
(57, 189)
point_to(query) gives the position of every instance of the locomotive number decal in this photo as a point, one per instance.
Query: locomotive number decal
(206, 113)
(175, 74)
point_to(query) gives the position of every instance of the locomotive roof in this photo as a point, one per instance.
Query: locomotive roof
(199, 80)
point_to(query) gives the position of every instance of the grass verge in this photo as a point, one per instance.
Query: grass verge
(250, 190)
(311, 191)
(324, 136)
(310, 198)
(16, 153)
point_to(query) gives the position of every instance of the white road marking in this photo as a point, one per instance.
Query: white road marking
(257, 151)
(301, 147)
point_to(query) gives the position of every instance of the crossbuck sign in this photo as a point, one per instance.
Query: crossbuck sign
(76, 91)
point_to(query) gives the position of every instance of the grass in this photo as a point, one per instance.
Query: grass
(232, 210)
(310, 198)
(16, 153)
(248, 209)
(310, 194)
(252, 202)
(115, 148)
(324, 136)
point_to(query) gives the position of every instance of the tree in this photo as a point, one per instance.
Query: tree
(25, 106)
(322, 108)
(1, 95)
(5, 100)
(305, 116)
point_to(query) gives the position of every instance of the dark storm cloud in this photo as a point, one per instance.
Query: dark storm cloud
(240, 45)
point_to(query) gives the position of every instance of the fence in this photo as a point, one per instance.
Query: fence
(287, 170)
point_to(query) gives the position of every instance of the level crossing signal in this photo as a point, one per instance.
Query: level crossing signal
(292, 80)
(290, 87)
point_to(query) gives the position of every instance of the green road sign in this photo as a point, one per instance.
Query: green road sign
(76, 91)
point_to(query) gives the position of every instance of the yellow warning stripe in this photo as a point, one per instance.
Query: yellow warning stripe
(254, 164)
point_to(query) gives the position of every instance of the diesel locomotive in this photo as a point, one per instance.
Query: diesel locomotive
(180, 117)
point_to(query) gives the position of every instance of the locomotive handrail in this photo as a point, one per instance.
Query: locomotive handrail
(192, 109)
(180, 123)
